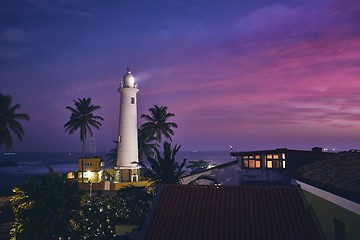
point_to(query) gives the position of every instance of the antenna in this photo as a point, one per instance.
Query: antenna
(92, 147)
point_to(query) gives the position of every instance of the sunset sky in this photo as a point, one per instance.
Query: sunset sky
(252, 74)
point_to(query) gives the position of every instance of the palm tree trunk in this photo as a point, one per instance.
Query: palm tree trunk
(157, 146)
(82, 161)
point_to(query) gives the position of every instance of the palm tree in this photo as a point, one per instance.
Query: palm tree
(82, 118)
(111, 156)
(146, 148)
(165, 170)
(157, 124)
(146, 145)
(9, 121)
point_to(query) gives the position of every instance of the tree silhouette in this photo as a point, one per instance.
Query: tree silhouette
(9, 121)
(83, 118)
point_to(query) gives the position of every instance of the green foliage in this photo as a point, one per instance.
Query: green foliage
(100, 215)
(146, 144)
(157, 124)
(48, 207)
(164, 169)
(9, 121)
(135, 203)
(146, 148)
(44, 208)
(82, 117)
(111, 156)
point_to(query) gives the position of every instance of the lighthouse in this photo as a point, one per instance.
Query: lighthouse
(126, 170)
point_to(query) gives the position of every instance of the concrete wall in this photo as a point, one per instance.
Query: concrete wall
(90, 164)
(331, 210)
(327, 211)
(113, 186)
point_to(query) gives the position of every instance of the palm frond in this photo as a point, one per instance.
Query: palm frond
(9, 121)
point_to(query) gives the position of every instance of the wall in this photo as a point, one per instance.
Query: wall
(326, 212)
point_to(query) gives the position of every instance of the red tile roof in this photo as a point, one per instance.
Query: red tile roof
(230, 212)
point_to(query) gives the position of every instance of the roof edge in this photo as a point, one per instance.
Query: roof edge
(146, 226)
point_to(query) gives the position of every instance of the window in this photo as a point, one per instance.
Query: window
(132, 100)
(253, 161)
(87, 164)
(135, 178)
(275, 160)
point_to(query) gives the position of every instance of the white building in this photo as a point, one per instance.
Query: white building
(126, 169)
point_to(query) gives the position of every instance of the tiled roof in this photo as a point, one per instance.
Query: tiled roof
(230, 212)
(339, 174)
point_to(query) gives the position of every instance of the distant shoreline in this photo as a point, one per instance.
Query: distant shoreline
(8, 164)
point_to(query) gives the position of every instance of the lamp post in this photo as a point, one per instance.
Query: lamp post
(90, 188)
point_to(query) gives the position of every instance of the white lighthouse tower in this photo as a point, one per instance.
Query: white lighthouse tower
(126, 169)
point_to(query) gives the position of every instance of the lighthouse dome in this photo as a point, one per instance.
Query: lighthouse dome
(128, 80)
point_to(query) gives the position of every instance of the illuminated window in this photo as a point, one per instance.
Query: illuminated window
(246, 164)
(252, 161)
(252, 164)
(275, 160)
(269, 164)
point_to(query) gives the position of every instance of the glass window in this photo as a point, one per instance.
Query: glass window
(275, 160)
(252, 164)
(276, 164)
(252, 161)
(246, 164)
(132, 100)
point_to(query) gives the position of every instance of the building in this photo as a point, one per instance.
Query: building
(230, 212)
(93, 170)
(271, 166)
(126, 169)
(332, 187)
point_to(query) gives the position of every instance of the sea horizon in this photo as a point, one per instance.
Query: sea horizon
(28, 164)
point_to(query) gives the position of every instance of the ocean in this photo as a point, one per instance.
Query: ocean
(30, 164)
